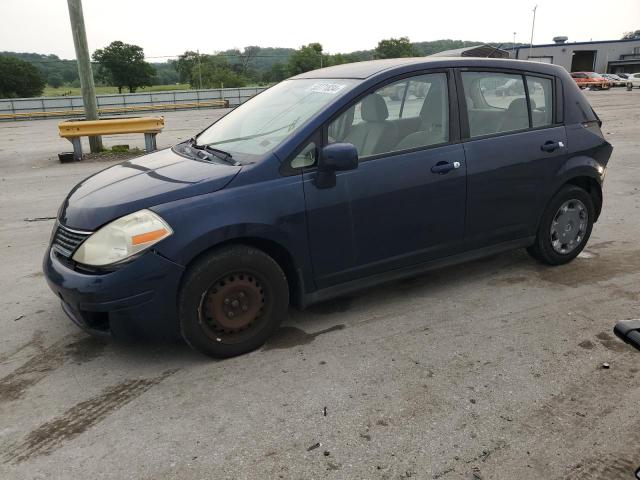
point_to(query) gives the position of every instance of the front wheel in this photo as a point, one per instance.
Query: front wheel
(232, 300)
(565, 226)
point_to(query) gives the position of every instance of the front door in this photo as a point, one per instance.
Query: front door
(405, 203)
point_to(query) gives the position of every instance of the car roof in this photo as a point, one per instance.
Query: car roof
(366, 69)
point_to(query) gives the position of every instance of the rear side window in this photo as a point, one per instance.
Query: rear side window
(496, 102)
(541, 98)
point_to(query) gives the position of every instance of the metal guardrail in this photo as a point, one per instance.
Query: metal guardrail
(74, 130)
(115, 110)
(46, 107)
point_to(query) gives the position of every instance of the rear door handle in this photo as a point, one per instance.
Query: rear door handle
(444, 167)
(551, 146)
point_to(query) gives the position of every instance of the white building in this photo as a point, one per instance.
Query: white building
(606, 56)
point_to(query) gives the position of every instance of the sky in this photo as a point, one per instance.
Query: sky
(164, 28)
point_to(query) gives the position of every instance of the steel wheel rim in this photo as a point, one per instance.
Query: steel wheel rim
(231, 309)
(569, 226)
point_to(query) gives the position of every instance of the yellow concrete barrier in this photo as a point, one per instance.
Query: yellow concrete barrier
(110, 126)
(73, 130)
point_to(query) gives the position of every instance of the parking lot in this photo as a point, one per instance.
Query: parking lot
(489, 370)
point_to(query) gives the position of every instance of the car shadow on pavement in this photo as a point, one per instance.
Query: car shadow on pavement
(422, 285)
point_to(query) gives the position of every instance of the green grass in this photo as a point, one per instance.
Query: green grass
(75, 91)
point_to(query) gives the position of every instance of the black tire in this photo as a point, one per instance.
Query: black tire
(543, 248)
(213, 290)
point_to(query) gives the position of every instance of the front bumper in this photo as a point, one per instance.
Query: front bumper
(138, 298)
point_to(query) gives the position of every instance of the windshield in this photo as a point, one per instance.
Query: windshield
(259, 125)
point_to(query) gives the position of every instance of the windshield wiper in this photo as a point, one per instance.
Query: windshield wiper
(290, 126)
(216, 152)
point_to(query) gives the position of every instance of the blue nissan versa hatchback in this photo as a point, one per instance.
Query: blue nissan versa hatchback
(329, 182)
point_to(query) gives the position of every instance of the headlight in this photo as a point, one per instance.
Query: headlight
(122, 239)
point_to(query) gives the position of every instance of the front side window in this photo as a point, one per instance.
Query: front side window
(410, 113)
(257, 126)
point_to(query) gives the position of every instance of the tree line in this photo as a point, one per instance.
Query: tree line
(254, 64)
(124, 66)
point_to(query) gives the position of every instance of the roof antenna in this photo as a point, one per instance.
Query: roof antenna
(494, 50)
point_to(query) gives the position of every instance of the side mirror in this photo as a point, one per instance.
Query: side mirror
(333, 158)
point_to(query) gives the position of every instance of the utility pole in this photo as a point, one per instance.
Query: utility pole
(199, 71)
(84, 68)
(533, 24)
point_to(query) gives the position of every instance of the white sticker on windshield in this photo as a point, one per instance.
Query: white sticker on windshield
(331, 88)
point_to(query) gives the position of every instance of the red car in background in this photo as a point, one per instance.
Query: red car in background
(591, 79)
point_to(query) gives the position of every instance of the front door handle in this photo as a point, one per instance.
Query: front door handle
(444, 167)
(551, 146)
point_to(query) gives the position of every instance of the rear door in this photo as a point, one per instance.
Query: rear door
(514, 144)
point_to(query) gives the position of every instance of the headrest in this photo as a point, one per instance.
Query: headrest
(519, 105)
(374, 108)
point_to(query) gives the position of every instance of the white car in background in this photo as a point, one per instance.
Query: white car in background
(615, 80)
(633, 79)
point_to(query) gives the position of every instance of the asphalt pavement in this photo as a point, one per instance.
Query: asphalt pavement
(488, 370)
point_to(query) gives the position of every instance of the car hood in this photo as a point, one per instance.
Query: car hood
(139, 183)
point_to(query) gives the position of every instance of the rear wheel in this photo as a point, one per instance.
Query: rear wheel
(565, 226)
(232, 300)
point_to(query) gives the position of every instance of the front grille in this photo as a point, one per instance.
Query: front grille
(66, 241)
